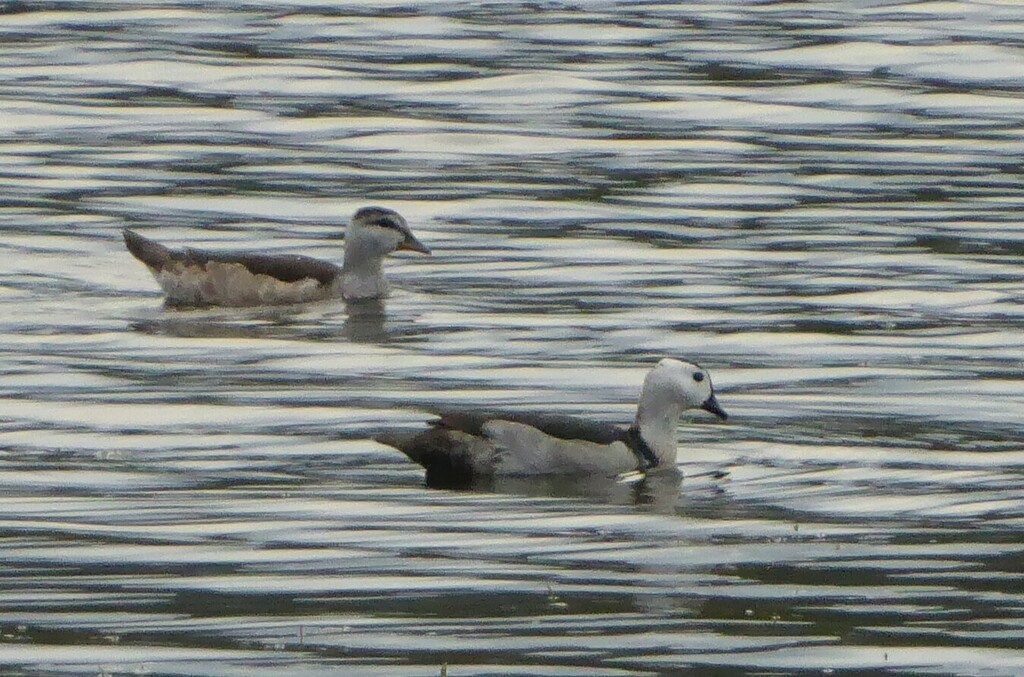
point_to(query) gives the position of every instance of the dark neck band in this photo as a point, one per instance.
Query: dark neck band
(645, 456)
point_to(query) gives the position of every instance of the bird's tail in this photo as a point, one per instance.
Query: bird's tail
(153, 254)
(447, 455)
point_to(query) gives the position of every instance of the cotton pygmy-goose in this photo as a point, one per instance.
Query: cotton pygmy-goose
(460, 447)
(191, 277)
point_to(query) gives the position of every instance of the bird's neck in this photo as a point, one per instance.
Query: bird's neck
(362, 274)
(657, 419)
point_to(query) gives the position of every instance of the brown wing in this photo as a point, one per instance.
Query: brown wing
(284, 267)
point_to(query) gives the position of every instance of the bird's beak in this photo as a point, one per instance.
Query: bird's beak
(711, 405)
(412, 244)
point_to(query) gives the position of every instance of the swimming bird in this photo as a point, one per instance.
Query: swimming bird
(192, 277)
(460, 447)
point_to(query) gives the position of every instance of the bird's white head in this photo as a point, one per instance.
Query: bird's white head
(684, 383)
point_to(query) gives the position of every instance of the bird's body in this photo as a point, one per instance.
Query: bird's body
(464, 446)
(192, 277)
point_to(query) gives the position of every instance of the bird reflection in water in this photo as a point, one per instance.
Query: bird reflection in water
(365, 321)
(657, 492)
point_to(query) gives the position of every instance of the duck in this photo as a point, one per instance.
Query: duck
(194, 277)
(460, 447)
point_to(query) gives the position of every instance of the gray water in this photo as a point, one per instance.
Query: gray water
(819, 202)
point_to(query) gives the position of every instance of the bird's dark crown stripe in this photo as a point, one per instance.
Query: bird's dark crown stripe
(374, 213)
(380, 217)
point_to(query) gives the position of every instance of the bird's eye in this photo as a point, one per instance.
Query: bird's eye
(698, 377)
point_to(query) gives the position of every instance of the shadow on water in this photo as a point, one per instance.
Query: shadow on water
(658, 492)
(365, 321)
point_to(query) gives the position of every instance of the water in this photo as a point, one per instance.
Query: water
(819, 202)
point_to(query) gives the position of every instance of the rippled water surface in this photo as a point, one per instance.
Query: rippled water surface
(820, 202)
